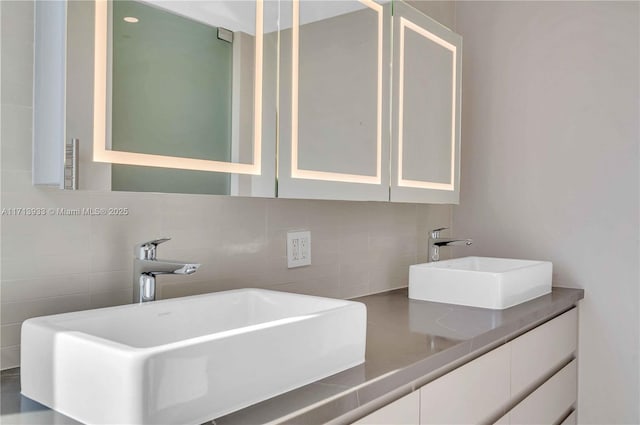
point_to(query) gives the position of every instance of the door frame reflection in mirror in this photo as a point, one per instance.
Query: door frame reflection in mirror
(100, 109)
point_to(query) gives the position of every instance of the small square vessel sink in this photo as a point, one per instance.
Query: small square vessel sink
(187, 360)
(495, 283)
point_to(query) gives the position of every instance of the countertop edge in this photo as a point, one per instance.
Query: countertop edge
(374, 395)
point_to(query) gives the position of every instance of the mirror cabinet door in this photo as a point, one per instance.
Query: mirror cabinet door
(183, 94)
(182, 97)
(334, 76)
(425, 160)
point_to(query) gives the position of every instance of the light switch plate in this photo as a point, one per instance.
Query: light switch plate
(298, 249)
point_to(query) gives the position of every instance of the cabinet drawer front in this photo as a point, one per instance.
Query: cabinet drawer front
(405, 411)
(473, 393)
(551, 401)
(538, 352)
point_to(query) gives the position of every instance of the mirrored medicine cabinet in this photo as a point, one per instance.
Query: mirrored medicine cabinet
(352, 99)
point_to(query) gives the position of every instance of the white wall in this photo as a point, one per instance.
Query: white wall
(55, 264)
(550, 168)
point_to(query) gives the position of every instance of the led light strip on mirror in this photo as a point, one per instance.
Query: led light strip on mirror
(404, 24)
(296, 171)
(101, 95)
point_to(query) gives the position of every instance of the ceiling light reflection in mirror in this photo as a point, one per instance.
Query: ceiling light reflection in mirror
(231, 18)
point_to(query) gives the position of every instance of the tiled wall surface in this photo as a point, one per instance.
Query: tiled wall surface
(53, 264)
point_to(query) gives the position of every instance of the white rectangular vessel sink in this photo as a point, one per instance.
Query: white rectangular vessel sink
(495, 283)
(187, 360)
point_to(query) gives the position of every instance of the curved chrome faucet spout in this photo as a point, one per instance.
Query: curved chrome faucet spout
(435, 242)
(146, 267)
(451, 242)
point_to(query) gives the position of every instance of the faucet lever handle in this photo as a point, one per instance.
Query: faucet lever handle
(147, 250)
(435, 233)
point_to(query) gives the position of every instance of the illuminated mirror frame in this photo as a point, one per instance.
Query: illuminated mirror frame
(102, 154)
(402, 182)
(300, 173)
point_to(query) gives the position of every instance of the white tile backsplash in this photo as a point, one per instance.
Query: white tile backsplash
(56, 264)
(46, 287)
(111, 298)
(354, 278)
(110, 281)
(10, 335)
(27, 267)
(10, 356)
(17, 312)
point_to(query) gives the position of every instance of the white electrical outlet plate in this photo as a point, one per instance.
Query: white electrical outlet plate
(298, 249)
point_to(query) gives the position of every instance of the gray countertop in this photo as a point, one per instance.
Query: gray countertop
(409, 343)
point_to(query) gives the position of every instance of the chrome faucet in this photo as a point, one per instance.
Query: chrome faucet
(146, 267)
(435, 242)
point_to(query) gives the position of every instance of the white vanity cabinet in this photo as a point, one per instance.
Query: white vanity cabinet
(534, 358)
(544, 372)
(471, 394)
(551, 402)
(425, 155)
(530, 380)
(405, 411)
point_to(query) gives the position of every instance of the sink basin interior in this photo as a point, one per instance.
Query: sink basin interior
(166, 322)
(495, 283)
(187, 360)
(483, 264)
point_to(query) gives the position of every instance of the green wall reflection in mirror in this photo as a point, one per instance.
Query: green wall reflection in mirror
(171, 95)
